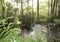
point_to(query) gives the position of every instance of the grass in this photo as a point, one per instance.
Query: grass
(57, 20)
(40, 37)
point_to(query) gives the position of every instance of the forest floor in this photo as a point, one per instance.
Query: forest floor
(38, 34)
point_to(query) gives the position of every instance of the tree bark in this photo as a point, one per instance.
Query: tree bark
(22, 11)
(37, 9)
(52, 10)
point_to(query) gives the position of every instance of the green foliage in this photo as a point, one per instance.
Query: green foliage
(8, 19)
(57, 27)
(40, 37)
(27, 21)
(17, 1)
(6, 25)
(4, 29)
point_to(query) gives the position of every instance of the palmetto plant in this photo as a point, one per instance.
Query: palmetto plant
(5, 26)
(3, 29)
(7, 18)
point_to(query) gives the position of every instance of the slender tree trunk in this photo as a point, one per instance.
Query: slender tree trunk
(48, 11)
(22, 11)
(52, 10)
(59, 8)
(56, 6)
(37, 9)
(32, 10)
(27, 6)
(33, 13)
(3, 9)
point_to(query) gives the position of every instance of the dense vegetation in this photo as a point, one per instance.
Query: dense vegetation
(23, 15)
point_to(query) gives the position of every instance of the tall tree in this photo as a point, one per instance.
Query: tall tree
(56, 7)
(37, 9)
(32, 11)
(54, 4)
(27, 6)
(59, 8)
(3, 8)
(52, 10)
(22, 11)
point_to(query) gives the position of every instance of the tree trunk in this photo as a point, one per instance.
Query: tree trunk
(32, 10)
(52, 10)
(3, 9)
(33, 14)
(59, 9)
(56, 7)
(22, 11)
(37, 9)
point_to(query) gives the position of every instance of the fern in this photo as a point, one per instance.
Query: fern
(5, 28)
